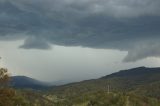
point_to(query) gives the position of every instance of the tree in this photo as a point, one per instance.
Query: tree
(4, 77)
(8, 96)
(5, 93)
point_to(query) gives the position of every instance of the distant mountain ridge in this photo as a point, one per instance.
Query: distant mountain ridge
(124, 79)
(26, 82)
(134, 72)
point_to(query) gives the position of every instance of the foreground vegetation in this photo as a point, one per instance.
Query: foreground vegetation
(102, 98)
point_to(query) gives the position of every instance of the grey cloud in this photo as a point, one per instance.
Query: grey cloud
(144, 49)
(34, 43)
(128, 25)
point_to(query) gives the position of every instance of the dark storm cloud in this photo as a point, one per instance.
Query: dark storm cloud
(128, 25)
(33, 42)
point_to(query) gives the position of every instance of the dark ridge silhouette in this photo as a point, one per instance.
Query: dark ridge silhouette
(26, 82)
(134, 72)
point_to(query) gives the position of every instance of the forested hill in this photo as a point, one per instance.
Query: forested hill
(27, 82)
(140, 80)
(135, 72)
(133, 87)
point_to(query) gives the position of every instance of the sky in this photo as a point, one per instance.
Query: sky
(75, 40)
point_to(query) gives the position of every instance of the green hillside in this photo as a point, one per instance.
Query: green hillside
(140, 86)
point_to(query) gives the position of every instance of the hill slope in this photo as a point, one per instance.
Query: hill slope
(133, 87)
(140, 71)
(26, 82)
(138, 80)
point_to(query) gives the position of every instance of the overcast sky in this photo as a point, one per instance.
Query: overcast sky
(74, 40)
